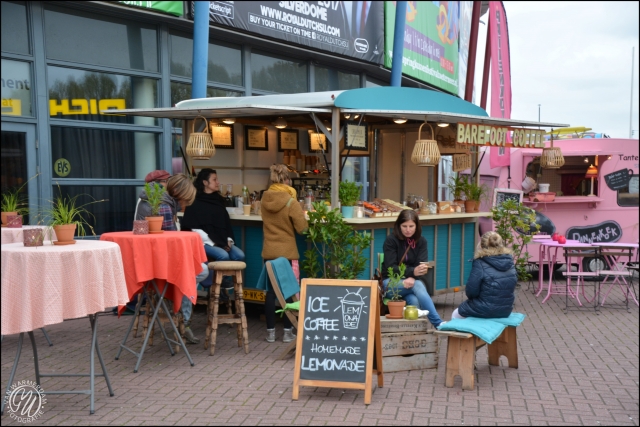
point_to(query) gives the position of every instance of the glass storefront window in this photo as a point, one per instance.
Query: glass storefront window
(113, 214)
(224, 65)
(15, 31)
(278, 75)
(102, 154)
(328, 79)
(371, 82)
(628, 196)
(182, 91)
(81, 95)
(16, 88)
(100, 40)
(13, 159)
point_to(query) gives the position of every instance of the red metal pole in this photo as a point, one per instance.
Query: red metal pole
(473, 44)
(485, 71)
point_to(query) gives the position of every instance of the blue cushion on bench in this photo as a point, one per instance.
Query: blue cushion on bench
(513, 320)
(485, 329)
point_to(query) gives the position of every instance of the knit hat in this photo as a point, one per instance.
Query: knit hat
(157, 175)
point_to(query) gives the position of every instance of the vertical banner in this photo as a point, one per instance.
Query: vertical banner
(500, 77)
(466, 8)
(430, 41)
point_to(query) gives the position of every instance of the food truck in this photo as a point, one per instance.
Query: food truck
(592, 198)
(380, 125)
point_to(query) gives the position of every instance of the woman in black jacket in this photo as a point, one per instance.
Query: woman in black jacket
(209, 213)
(491, 283)
(407, 233)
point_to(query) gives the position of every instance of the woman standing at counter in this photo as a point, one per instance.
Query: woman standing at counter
(407, 238)
(282, 217)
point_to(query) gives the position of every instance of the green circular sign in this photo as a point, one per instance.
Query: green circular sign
(62, 167)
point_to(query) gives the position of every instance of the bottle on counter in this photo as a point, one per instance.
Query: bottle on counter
(245, 195)
(309, 199)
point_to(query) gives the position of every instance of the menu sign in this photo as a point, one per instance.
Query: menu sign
(336, 333)
(618, 180)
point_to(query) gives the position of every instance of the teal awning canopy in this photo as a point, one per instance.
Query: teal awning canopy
(405, 99)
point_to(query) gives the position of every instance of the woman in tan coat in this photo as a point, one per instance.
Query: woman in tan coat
(282, 217)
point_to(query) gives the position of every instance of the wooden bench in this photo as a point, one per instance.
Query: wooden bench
(461, 354)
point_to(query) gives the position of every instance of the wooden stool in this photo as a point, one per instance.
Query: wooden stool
(226, 268)
(461, 354)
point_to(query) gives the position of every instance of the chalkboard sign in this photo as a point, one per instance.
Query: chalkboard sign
(605, 232)
(619, 179)
(502, 194)
(338, 326)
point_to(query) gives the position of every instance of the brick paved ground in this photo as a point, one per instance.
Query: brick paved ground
(575, 369)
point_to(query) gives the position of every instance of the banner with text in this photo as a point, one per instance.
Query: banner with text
(352, 28)
(430, 41)
(500, 76)
(499, 136)
(171, 7)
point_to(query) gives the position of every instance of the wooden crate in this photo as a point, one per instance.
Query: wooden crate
(410, 347)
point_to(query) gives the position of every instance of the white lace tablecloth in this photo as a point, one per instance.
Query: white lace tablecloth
(47, 284)
(15, 235)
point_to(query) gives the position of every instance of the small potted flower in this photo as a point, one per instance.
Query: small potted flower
(14, 202)
(154, 192)
(66, 217)
(473, 193)
(395, 303)
(349, 194)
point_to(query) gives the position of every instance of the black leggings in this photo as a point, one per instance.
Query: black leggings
(270, 310)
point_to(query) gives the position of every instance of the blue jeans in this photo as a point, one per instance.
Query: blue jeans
(215, 253)
(418, 296)
(187, 306)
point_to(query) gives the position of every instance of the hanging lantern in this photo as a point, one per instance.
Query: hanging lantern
(425, 152)
(551, 157)
(200, 146)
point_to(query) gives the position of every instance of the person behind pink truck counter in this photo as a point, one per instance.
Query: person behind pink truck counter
(609, 215)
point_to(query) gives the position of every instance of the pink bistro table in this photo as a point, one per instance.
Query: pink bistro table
(16, 235)
(45, 285)
(545, 256)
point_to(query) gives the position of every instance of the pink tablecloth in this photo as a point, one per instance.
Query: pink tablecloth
(15, 235)
(44, 285)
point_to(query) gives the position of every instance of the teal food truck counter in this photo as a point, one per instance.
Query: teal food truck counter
(450, 238)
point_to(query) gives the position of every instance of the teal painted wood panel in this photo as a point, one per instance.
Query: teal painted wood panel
(428, 232)
(253, 254)
(442, 257)
(379, 236)
(469, 248)
(365, 275)
(457, 252)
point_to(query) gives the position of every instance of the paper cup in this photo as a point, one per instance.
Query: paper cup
(246, 210)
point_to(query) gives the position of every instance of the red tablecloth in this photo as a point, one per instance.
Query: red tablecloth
(175, 257)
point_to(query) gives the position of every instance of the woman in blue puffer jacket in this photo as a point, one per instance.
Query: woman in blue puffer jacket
(491, 282)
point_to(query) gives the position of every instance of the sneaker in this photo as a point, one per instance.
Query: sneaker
(271, 335)
(288, 336)
(441, 323)
(189, 337)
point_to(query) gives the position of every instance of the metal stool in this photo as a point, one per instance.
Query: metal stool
(226, 268)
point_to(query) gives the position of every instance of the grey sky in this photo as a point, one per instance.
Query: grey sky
(573, 58)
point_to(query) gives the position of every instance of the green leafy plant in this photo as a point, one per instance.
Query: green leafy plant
(336, 248)
(64, 210)
(474, 191)
(457, 185)
(14, 200)
(395, 282)
(516, 224)
(349, 193)
(154, 192)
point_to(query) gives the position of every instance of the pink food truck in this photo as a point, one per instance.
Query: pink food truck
(592, 198)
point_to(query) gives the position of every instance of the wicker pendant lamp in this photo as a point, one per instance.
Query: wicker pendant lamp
(426, 152)
(200, 146)
(551, 157)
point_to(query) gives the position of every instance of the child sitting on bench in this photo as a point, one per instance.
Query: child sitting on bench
(491, 283)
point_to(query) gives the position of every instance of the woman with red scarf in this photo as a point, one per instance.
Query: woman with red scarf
(407, 246)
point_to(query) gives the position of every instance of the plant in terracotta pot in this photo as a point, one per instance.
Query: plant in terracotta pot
(457, 185)
(349, 193)
(154, 192)
(474, 193)
(14, 202)
(66, 216)
(394, 286)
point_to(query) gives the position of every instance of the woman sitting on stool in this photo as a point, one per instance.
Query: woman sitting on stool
(491, 283)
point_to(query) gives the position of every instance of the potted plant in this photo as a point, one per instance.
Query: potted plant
(394, 286)
(456, 185)
(154, 192)
(14, 202)
(336, 248)
(473, 193)
(516, 224)
(349, 194)
(65, 216)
